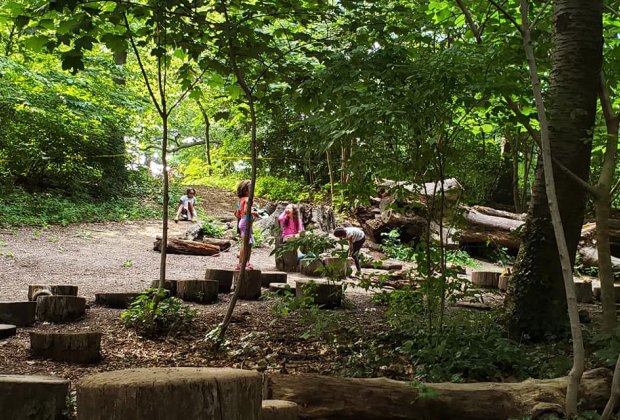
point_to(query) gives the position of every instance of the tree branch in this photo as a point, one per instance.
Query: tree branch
(507, 15)
(470, 21)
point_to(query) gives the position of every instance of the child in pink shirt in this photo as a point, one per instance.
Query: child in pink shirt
(292, 225)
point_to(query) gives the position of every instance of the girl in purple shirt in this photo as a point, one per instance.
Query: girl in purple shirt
(291, 223)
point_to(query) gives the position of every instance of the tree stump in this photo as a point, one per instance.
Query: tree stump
(503, 283)
(184, 393)
(31, 397)
(268, 277)
(279, 410)
(327, 294)
(288, 262)
(60, 308)
(20, 314)
(118, 300)
(80, 347)
(35, 290)
(223, 277)
(7, 330)
(584, 292)
(596, 291)
(488, 279)
(201, 291)
(311, 267)
(281, 288)
(336, 267)
(250, 286)
(170, 285)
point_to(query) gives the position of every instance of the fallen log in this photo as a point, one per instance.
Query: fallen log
(479, 236)
(490, 211)
(490, 222)
(324, 397)
(222, 244)
(181, 246)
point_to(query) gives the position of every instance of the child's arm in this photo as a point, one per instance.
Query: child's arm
(350, 247)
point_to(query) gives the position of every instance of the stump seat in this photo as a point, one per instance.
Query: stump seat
(181, 393)
(60, 308)
(200, 291)
(118, 300)
(80, 347)
(250, 287)
(21, 314)
(33, 397)
(279, 410)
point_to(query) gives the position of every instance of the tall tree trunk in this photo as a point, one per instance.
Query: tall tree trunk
(331, 175)
(515, 173)
(503, 192)
(602, 207)
(205, 117)
(536, 305)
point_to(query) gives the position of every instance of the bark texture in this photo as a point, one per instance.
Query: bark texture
(60, 308)
(20, 314)
(223, 277)
(323, 397)
(33, 397)
(170, 394)
(279, 410)
(82, 347)
(120, 300)
(536, 305)
(201, 291)
(52, 289)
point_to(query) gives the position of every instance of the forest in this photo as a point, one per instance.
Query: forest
(471, 144)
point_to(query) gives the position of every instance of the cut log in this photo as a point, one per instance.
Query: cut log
(589, 257)
(222, 244)
(281, 288)
(279, 410)
(336, 268)
(321, 397)
(503, 283)
(7, 330)
(584, 292)
(181, 246)
(288, 262)
(34, 290)
(32, 397)
(201, 291)
(21, 314)
(489, 211)
(327, 294)
(369, 262)
(80, 347)
(184, 393)
(119, 300)
(268, 277)
(476, 235)
(596, 291)
(223, 277)
(311, 267)
(249, 286)
(60, 308)
(489, 279)
(491, 222)
(170, 285)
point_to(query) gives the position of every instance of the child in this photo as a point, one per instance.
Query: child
(187, 209)
(291, 223)
(243, 192)
(356, 238)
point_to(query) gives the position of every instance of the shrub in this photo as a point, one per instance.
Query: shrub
(212, 228)
(153, 313)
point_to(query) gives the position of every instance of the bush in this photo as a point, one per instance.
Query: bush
(212, 228)
(153, 313)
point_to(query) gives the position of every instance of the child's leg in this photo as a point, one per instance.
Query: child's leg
(191, 212)
(179, 211)
(356, 254)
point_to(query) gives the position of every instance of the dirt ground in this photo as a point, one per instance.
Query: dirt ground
(116, 257)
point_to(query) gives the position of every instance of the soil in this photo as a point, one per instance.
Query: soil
(118, 257)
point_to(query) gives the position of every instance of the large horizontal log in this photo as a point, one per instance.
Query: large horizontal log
(499, 213)
(222, 244)
(181, 246)
(589, 257)
(500, 238)
(490, 222)
(327, 397)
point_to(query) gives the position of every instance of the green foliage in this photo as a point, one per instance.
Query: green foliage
(307, 241)
(41, 209)
(461, 258)
(282, 189)
(392, 247)
(153, 313)
(212, 228)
